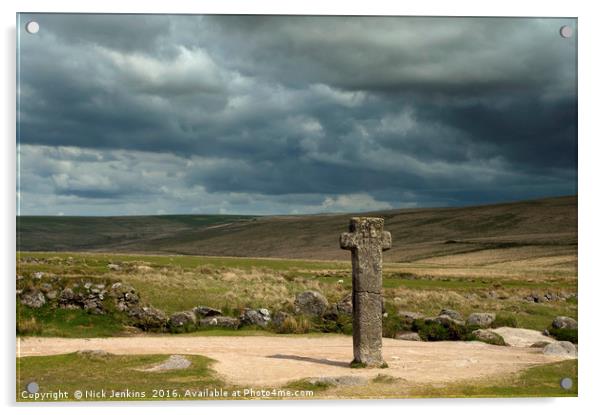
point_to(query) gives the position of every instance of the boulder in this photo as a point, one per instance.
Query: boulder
(408, 335)
(148, 318)
(488, 336)
(33, 298)
(113, 267)
(182, 319)
(483, 320)
(311, 303)
(451, 313)
(93, 305)
(220, 321)
(279, 317)
(204, 311)
(445, 320)
(125, 296)
(563, 322)
(409, 316)
(45, 287)
(562, 349)
(260, 317)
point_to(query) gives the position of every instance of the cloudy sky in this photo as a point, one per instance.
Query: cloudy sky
(152, 114)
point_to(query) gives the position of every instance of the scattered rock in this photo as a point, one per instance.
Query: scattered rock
(409, 316)
(182, 319)
(93, 305)
(220, 321)
(338, 380)
(94, 354)
(311, 303)
(33, 298)
(445, 320)
(260, 317)
(563, 322)
(408, 335)
(148, 318)
(563, 349)
(174, 362)
(516, 337)
(451, 313)
(45, 287)
(483, 320)
(204, 311)
(279, 318)
(113, 267)
(488, 336)
(52, 295)
(38, 275)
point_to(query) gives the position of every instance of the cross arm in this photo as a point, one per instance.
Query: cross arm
(348, 241)
(385, 240)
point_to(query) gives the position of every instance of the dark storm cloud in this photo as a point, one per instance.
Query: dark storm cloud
(399, 111)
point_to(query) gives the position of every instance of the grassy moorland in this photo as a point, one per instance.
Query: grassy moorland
(177, 283)
(537, 233)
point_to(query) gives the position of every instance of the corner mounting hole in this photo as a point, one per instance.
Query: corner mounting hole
(32, 27)
(566, 32)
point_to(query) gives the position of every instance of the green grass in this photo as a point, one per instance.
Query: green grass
(542, 381)
(71, 372)
(49, 322)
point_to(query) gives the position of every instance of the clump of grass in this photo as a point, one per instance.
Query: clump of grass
(381, 378)
(294, 325)
(341, 324)
(504, 320)
(306, 385)
(569, 335)
(28, 327)
(435, 331)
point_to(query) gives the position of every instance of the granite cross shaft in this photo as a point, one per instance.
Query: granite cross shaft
(366, 240)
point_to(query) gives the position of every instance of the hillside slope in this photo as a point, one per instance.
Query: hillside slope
(530, 229)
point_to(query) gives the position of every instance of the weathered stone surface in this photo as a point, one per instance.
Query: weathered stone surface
(95, 354)
(260, 317)
(408, 335)
(338, 380)
(182, 319)
(409, 316)
(311, 303)
(220, 321)
(563, 322)
(563, 349)
(33, 298)
(204, 311)
(366, 240)
(173, 362)
(279, 317)
(488, 336)
(148, 318)
(483, 320)
(445, 320)
(451, 313)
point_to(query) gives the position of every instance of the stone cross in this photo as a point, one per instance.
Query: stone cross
(366, 240)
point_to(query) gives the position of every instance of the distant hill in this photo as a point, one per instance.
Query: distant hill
(537, 226)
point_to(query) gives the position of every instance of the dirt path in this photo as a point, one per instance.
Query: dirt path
(273, 361)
